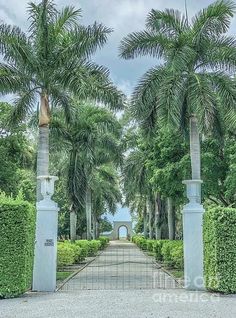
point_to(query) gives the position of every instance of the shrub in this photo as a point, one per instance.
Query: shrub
(150, 244)
(140, 241)
(104, 241)
(65, 254)
(136, 238)
(172, 253)
(90, 248)
(94, 246)
(17, 230)
(84, 248)
(157, 246)
(165, 251)
(78, 255)
(177, 255)
(219, 230)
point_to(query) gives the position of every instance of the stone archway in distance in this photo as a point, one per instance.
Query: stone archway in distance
(119, 234)
(116, 227)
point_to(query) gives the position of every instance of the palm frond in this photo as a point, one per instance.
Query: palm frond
(15, 47)
(143, 101)
(170, 22)
(145, 43)
(66, 20)
(11, 80)
(202, 99)
(213, 20)
(61, 99)
(23, 106)
(42, 17)
(219, 54)
(225, 88)
(91, 82)
(84, 41)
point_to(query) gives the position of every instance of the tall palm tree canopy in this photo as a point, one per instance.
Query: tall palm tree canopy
(105, 190)
(90, 140)
(52, 59)
(198, 64)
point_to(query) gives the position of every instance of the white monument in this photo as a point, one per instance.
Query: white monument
(116, 227)
(45, 255)
(193, 237)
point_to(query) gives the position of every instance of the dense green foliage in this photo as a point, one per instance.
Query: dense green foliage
(50, 65)
(17, 158)
(157, 249)
(220, 249)
(17, 228)
(69, 253)
(52, 60)
(90, 152)
(170, 253)
(104, 241)
(65, 254)
(193, 78)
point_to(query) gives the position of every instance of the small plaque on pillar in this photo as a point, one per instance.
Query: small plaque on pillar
(49, 242)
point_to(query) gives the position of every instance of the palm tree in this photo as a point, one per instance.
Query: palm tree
(91, 140)
(50, 62)
(194, 84)
(136, 186)
(105, 193)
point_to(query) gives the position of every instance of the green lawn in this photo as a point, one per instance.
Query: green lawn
(176, 273)
(63, 275)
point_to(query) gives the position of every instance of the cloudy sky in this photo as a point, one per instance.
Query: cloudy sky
(123, 16)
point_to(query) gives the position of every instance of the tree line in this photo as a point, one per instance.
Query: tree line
(181, 106)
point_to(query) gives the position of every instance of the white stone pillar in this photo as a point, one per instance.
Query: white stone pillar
(193, 237)
(45, 254)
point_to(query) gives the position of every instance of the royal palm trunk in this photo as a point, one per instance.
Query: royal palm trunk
(43, 142)
(73, 223)
(145, 222)
(195, 149)
(157, 220)
(42, 156)
(88, 207)
(97, 229)
(149, 210)
(94, 226)
(171, 219)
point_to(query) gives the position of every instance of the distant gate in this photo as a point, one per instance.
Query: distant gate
(117, 225)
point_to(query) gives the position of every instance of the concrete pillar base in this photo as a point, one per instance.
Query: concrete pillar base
(45, 256)
(193, 237)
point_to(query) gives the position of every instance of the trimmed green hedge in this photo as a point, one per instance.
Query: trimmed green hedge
(157, 249)
(69, 253)
(166, 251)
(17, 230)
(140, 241)
(172, 254)
(104, 241)
(150, 244)
(220, 249)
(65, 254)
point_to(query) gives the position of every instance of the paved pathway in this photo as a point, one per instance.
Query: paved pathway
(121, 266)
(124, 302)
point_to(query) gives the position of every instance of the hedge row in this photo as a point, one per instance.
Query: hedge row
(166, 251)
(69, 253)
(17, 229)
(219, 233)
